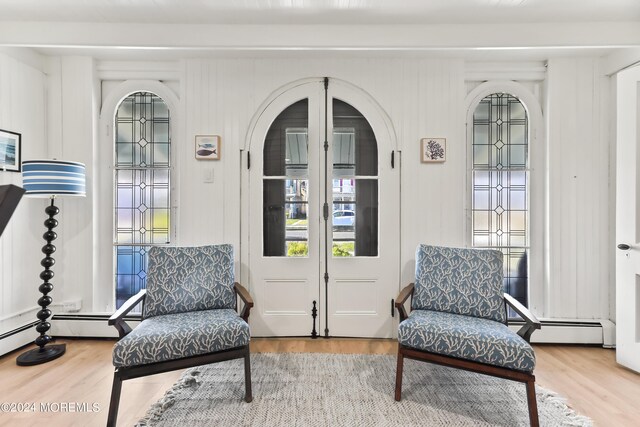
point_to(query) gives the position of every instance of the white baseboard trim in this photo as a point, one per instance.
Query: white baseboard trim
(608, 333)
(594, 332)
(553, 331)
(18, 329)
(87, 326)
(17, 338)
(562, 331)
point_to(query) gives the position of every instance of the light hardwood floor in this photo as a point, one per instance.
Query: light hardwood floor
(587, 376)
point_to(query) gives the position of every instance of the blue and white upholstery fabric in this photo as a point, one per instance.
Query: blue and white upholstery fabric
(183, 279)
(174, 336)
(460, 281)
(465, 337)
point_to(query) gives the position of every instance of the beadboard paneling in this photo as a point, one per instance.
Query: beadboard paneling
(23, 88)
(423, 98)
(579, 191)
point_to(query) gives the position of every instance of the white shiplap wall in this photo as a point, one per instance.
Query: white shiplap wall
(580, 191)
(432, 194)
(55, 104)
(23, 89)
(73, 112)
(424, 98)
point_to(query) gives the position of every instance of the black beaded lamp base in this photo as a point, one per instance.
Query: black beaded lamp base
(41, 355)
(45, 352)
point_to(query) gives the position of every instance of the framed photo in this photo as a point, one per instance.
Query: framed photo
(10, 150)
(208, 147)
(433, 150)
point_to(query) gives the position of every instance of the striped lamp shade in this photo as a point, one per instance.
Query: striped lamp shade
(46, 178)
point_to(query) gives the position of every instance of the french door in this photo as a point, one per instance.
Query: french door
(323, 214)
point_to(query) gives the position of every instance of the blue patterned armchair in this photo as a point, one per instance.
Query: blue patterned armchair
(188, 319)
(459, 318)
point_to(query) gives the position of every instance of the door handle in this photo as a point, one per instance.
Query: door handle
(624, 247)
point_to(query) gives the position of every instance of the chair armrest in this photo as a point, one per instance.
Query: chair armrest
(531, 322)
(244, 295)
(400, 300)
(117, 318)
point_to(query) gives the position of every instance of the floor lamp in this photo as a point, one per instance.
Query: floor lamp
(50, 179)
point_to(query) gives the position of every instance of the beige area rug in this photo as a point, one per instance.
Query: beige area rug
(302, 389)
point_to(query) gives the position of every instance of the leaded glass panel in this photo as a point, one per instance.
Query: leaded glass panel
(142, 206)
(142, 132)
(131, 271)
(500, 185)
(142, 187)
(500, 133)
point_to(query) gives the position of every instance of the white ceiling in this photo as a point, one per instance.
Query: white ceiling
(346, 12)
(166, 29)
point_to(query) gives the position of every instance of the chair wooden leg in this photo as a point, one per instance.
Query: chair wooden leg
(399, 375)
(248, 397)
(115, 400)
(533, 404)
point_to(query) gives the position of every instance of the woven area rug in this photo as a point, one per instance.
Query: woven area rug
(348, 390)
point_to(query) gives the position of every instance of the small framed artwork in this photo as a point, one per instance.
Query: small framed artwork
(433, 150)
(208, 147)
(10, 149)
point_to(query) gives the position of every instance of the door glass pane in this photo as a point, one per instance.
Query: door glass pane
(355, 198)
(344, 217)
(297, 223)
(354, 143)
(285, 198)
(344, 152)
(285, 218)
(367, 217)
(286, 143)
(296, 157)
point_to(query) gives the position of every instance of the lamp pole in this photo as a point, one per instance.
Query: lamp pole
(49, 178)
(45, 353)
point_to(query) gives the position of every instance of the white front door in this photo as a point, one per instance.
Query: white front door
(324, 217)
(628, 220)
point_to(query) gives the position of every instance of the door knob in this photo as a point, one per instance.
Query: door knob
(624, 246)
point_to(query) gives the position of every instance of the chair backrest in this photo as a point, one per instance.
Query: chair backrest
(460, 281)
(181, 279)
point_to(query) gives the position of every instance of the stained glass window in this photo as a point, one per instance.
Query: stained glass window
(500, 186)
(142, 187)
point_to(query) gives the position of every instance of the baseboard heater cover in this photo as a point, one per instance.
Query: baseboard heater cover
(566, 332)
(95, 326)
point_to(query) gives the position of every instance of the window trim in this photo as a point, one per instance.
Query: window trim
(538, 263)
(104, 272)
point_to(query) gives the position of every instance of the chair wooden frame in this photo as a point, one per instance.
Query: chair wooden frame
(129, 372)
(531, 324)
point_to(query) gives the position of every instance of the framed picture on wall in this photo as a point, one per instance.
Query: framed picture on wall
(433, 150)
(10, 150)
(208, 147)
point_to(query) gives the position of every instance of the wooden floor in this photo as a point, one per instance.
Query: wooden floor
(587, 376)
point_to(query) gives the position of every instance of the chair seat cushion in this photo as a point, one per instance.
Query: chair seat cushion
(465, 337)
(174, 336)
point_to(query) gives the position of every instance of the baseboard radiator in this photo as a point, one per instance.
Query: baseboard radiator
(594, 332)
